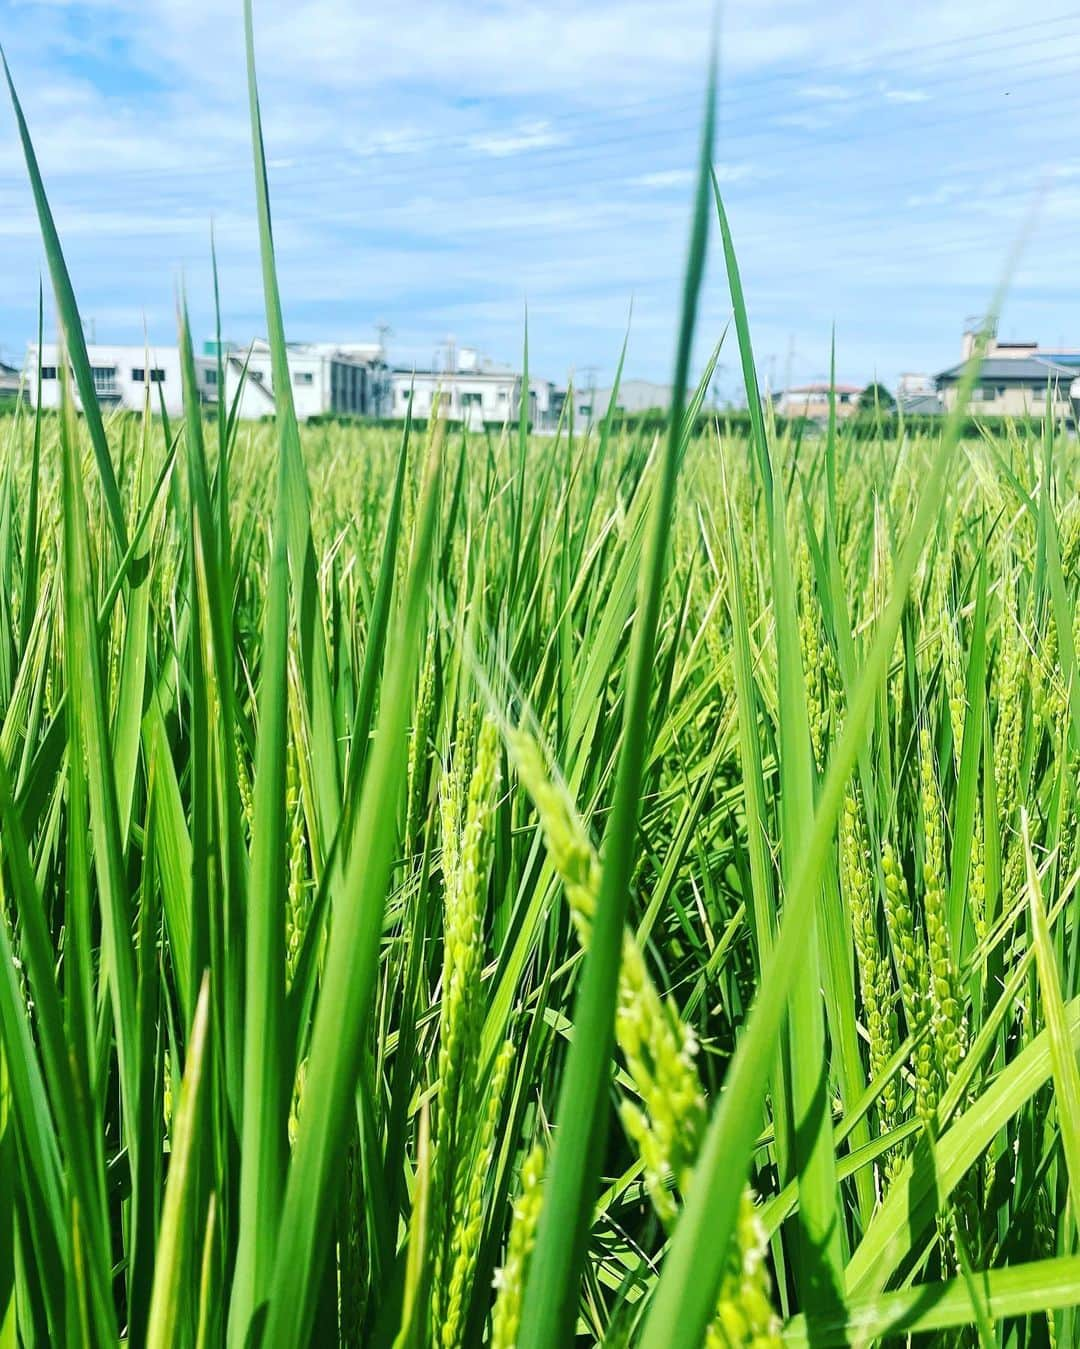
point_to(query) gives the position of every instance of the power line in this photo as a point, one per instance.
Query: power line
(691, 100)
(809, 160)
(807, 156)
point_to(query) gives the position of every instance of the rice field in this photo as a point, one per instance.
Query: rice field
(459, 890)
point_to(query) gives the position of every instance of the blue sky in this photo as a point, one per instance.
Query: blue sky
(434, 166)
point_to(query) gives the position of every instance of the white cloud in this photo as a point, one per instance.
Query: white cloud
(530, 136)
(906, 96)
(664, 178)
(827, 93)
(740, 173)
(418, 167)
(938, 196)
(804, 121)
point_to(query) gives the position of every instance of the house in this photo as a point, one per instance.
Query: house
(10, 384)
(476, 393)
(348, 379)
(633, 396)
(917, 396)
(1014, 386)
(1017, 379)
(811, 401)
(122, 376)
(587, 404)
(920, 405)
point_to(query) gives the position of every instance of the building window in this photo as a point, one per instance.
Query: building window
(1000, 391)
(256, 375)
(48, 372)
(157, 376)
(471, 400)
(301, 377)
(138, 374)
(405, 395)
(503, 396)
(584, 409)
(104, 378)
(210, 375)
(978, 394)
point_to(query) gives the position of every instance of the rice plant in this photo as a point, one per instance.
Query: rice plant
(481, 890)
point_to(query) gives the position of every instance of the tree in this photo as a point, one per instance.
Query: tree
(876, 396)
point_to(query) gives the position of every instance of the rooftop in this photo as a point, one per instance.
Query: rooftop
(483, 373)
(1017, 369)
(921, 405)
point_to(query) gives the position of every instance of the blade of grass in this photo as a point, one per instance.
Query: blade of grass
(341, 1017)
(268, 1072)
(685, 1295)
(71, 322)
(305, 593)
(924, 1308)
(172, 1274)
(551, 1294)
(1066, 1073)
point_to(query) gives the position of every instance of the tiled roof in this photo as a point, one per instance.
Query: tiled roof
(1017, 369)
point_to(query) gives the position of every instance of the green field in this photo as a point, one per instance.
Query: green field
(617, 888)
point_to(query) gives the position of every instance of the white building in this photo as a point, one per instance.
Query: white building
(476, 394)
(915, 386)
(348, 379)
(1016, 379)
(1013, 386)
(633, 396)
(121, 377)
(813, 401)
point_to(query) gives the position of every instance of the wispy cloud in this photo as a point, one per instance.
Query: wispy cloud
(937, 196)
(741, 173)
(531, 136)
(804, 121)
(446, 161)
(391, 140)
(663, 179)
(827, 93)
(666, 179)
(905, 96)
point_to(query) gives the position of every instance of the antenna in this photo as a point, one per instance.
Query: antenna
(975, 323)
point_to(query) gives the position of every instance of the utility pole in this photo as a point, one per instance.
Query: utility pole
(589, 373)
(789, 362)
(382, 377)
(770, 378)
